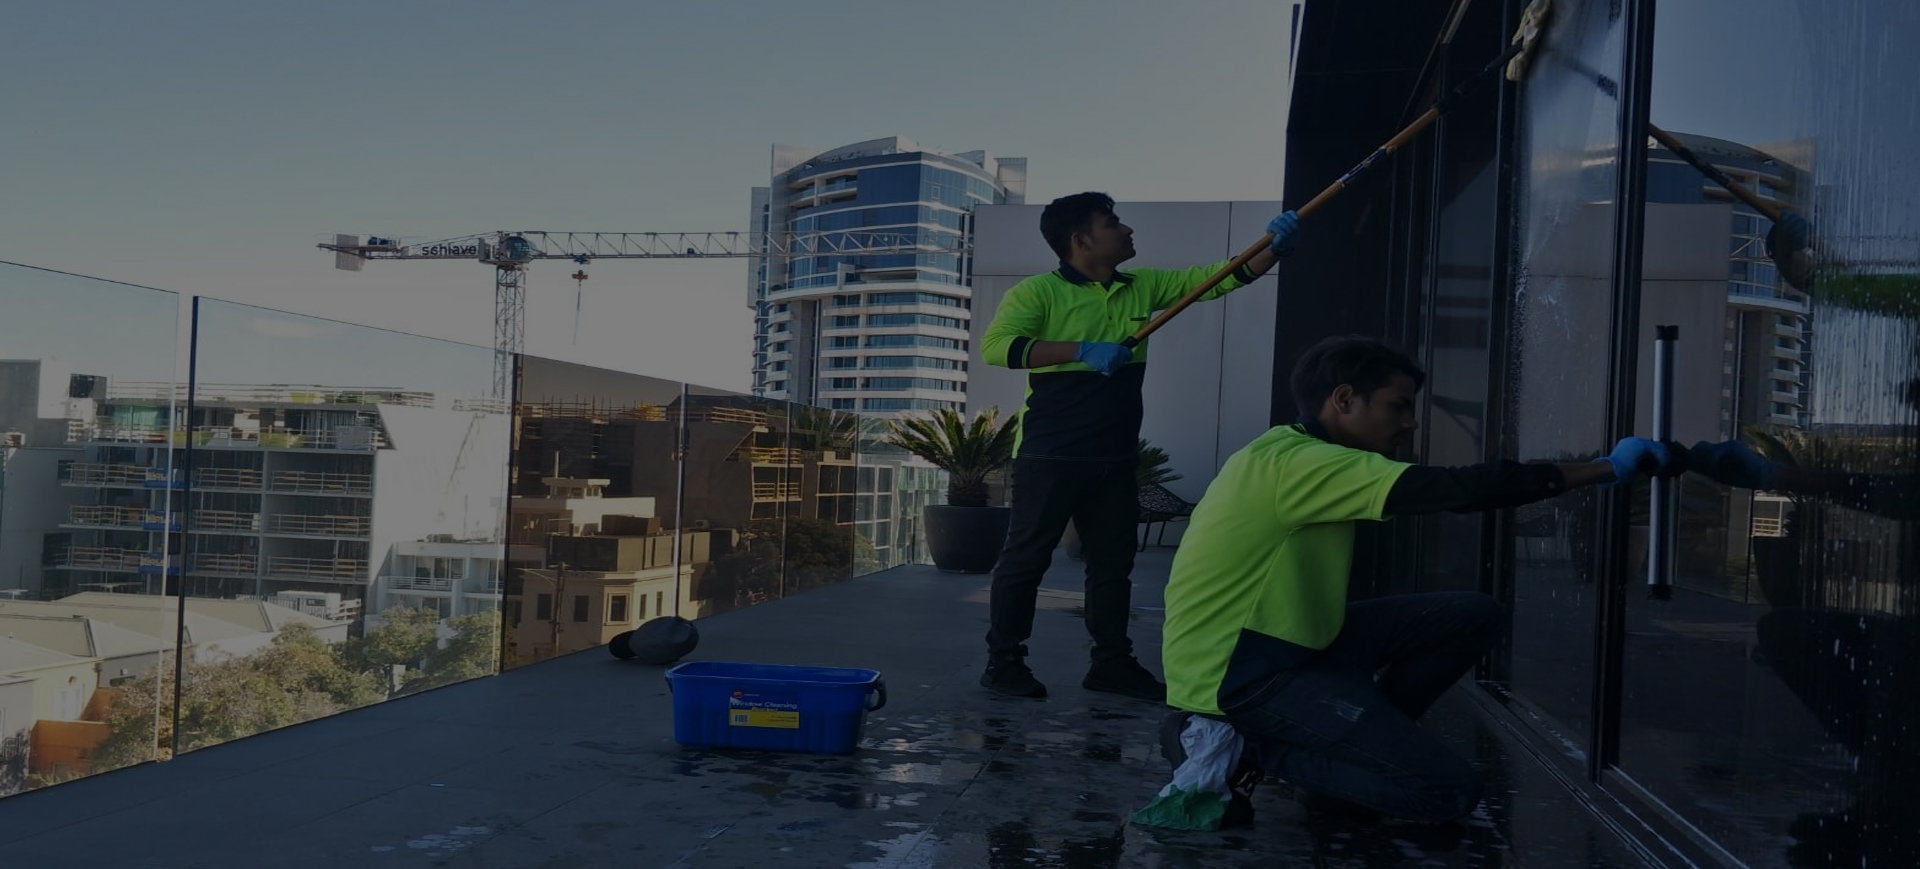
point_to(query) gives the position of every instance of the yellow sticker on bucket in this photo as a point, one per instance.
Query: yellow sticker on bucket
(755, 709)
(766, 718)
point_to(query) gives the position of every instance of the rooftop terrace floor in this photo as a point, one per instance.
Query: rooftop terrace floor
(571, 763)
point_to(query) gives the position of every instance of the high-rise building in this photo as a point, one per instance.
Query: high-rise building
(871, 332)
(1763, 371)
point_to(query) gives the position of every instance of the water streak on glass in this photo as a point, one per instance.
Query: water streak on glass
(1772, 703)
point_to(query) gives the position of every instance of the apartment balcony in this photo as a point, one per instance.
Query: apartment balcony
(106, 430)
(822, 195)
(772, 455)
(227, 479)
(209, 564)
(228, 521)
(770, 492)
(342, 439)
(100, 558)
(317, 525)
(571, 762)
(321, 483)
(111, 476)
(323, 569)
(114, 518)
(437, 584)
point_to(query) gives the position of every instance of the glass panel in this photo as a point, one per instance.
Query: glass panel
(1460, 329)
(899, 486)
(346, 491)
(1562, 300)
(593, 509)
(87, 630)
(820, 541)
(1772, 702)
(876, 521)
(738, 488)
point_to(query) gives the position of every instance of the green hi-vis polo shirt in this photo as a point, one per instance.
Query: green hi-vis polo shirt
(1260, 580)
(1072, 411)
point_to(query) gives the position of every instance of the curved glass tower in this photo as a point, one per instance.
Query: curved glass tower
(844, 327)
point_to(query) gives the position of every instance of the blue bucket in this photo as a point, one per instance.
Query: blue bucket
(776, 707)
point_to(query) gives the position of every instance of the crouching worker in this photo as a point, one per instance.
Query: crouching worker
(1261, 647)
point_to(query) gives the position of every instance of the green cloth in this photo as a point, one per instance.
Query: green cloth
(1178, 808)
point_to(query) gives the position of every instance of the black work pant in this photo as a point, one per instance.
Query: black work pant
(1343, 724)
(1103, 502)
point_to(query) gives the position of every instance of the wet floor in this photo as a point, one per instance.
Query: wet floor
(572, 763)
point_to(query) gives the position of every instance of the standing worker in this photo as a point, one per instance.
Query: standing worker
(1080, 430)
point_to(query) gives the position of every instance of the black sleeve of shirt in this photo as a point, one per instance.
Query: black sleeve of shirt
(1017, 352)
(1429, 489)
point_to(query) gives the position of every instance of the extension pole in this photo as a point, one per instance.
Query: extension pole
(1425, 120)
(1666, 140)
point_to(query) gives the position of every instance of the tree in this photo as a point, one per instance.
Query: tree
(298, 678)
(13, 763)
(819, 552)
(1152, 469)
(968, 450)
(751, 568)
(472, 652)
(405, 637)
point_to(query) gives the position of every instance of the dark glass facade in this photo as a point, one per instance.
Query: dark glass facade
(1761, 709)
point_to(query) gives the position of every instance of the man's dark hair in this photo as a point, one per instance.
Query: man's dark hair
(1070, 214)
(1363, 363)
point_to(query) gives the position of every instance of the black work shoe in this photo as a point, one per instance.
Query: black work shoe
(1012, 680)
(1125, 677)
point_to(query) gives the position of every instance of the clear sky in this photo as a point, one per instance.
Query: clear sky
(206, 147)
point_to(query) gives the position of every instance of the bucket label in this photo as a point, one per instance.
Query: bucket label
(760, 709)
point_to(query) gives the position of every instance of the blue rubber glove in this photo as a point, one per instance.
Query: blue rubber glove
(1104, 357)
(1732, 464)
(1284, 227)
(1634, 456)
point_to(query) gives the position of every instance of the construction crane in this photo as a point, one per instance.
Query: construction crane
(511, 252)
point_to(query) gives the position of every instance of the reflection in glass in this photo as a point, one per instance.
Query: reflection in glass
(1772, 702)
(1562, 300)
(738, 468)
(877, 520)
(342, 504)
(824, 545)
(594, 512)
(1460, 330)
(86, 410)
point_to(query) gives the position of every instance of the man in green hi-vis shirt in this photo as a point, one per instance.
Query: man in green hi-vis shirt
(1259, 632)
(1079, 435)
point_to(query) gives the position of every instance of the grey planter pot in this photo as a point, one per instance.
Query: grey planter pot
(966, 539)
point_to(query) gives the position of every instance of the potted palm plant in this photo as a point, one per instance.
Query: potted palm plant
(964, 535)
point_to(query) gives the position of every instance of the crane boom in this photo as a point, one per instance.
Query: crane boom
(529, 245)
(510, 253)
